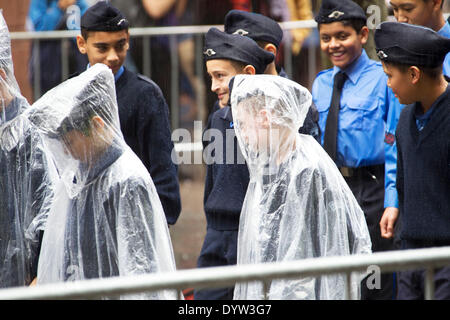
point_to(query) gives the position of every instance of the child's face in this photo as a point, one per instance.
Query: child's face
(417, 12)
(254, 128)
(78, 145)
(221, 71)
(400, 84)
(109, 48)
(342, 44)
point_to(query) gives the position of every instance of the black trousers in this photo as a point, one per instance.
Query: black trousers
(411, 283)
(367, 185)
(219, 249)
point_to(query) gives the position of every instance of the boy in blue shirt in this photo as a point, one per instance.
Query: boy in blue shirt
(412, 58)
(354, 103)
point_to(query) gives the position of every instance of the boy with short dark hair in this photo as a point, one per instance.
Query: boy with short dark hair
(427, 13)
(354, 103)
(143, 111)
(107, 219)
(412, 57)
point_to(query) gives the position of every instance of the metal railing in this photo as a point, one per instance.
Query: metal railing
(428, 259)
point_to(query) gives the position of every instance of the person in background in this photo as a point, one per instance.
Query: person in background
(48, 15)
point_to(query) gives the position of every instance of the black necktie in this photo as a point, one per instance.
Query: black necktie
(330, 136)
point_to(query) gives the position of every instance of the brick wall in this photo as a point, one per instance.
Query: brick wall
(15, 13)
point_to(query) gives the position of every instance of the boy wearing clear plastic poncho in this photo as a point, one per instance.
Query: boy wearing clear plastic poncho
(297, 204)
(107, 219)
(25, 178)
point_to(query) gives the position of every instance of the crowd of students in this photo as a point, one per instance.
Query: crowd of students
(358, 165)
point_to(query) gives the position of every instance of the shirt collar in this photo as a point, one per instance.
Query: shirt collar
(354, 70)
(445, 30)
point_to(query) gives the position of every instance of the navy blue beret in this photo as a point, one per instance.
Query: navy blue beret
(103, 17)
(221, 45)
(338, 10)
(410, 44)
(253, 25)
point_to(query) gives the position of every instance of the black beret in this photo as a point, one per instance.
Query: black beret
(253, 25)
(339, 10)
(221, 45)
(410, 44)
(103, 17)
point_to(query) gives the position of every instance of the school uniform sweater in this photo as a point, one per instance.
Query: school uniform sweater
(423, 172)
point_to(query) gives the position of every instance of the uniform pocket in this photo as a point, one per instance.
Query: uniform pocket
(361, 114)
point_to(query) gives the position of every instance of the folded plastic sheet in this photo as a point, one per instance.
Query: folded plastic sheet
(106, 219)
(25, 178)
(297, 205)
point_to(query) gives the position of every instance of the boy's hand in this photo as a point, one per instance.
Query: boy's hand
(33, 283)
(387, 222)
(5, 95)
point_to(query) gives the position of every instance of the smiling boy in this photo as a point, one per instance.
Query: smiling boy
(143, 111)
(354, 103)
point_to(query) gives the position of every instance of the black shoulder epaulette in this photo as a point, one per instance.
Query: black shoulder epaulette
(145, 78)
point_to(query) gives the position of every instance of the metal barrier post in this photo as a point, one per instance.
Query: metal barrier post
(174, 81)
(429, 284)
(146, 53)
(65, 45)
(37, 69)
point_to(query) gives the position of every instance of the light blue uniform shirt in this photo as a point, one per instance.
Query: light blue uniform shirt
(445, 32)
(46, 16)
(366, 102)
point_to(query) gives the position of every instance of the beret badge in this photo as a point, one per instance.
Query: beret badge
(241, 32)
(336, 14)
(382, 55)
(209, 52)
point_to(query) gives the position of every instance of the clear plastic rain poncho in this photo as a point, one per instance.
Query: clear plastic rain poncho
(297, 204)
(25, 183)
(107, 219)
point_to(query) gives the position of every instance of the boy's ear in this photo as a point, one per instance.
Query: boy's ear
(81, 43)
(249, 69)
(271, 48)
(437, 5)
(364, 34)
(415, 74)
(97, 122)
